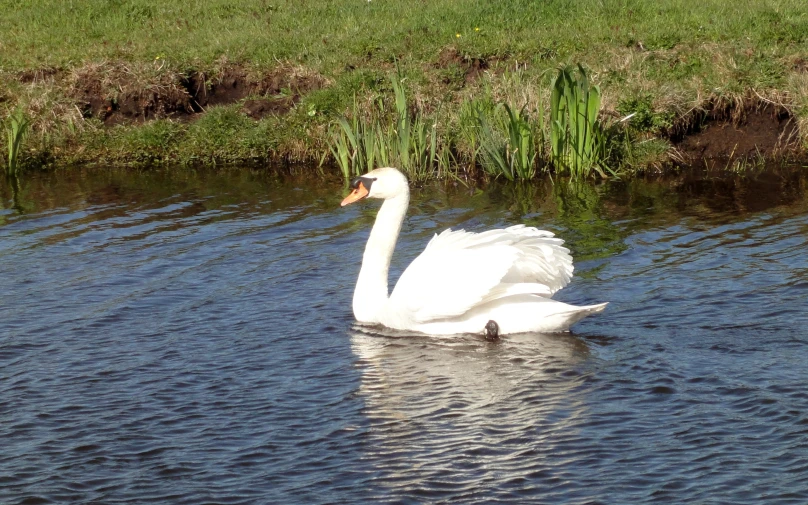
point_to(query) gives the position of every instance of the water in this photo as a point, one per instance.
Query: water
(183, 337)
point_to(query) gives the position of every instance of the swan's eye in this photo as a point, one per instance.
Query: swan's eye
(366, 181)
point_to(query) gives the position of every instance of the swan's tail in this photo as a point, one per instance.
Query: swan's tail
(594, 309)
(537, 314)
(579, 313)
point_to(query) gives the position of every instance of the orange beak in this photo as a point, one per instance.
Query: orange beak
(357, 194)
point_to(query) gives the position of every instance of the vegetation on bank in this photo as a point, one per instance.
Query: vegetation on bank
(142, 82)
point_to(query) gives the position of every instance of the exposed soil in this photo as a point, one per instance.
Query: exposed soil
(471, 68)
(91, 98)
(119, 99)
(41, 74)
(257, 109)
(761, 130)
(279, 91)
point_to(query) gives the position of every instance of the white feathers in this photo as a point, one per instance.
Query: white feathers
(459, 270)
(462, 279)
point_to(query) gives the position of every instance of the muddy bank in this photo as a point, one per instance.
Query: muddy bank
(457, 69)
(746, 131)
(114, 95)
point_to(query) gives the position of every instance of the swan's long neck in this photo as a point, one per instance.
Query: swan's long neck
(371, 292)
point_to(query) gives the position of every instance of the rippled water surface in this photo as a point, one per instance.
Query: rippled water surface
(184, 337)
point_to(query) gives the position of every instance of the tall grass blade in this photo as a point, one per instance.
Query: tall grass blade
(16, 130)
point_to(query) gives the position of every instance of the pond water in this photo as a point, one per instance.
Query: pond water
(187, 337)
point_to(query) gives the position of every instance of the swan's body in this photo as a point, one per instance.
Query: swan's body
(462, 280)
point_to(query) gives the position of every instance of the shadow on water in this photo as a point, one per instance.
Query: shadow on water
(595, 217)
(593, 211)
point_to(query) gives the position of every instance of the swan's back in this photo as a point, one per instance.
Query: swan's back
(460, 270)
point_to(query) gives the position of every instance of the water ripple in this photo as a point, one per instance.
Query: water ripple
(189, 340)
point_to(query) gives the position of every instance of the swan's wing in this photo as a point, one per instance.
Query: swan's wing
(459, 270)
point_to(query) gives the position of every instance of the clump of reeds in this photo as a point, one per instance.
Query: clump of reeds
(16, 130)
(505, 140)
(410, 142)
(357, 144)
(510, 144)
(578, 140)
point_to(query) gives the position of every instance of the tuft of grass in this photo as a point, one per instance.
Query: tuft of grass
(16, 130)
(639, 155)
(152, 143)
(643, 116)
(359, 145)
(522, 143)
(219, 136)
(746, 165)
(414, 144)
(470, 124)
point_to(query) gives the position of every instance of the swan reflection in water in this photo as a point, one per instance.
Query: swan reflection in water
(455, 413)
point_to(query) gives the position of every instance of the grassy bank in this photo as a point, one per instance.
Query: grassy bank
(143, 82)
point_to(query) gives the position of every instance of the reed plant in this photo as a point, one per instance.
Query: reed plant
(415, 138)
(410, 141)
(507, 142)
(357, 144)
(578, 139)
(16, 131)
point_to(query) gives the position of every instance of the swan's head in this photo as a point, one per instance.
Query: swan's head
(381, 183)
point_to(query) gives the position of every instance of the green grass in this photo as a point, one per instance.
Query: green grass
(326, 35)
(658, 60)
(222, 136)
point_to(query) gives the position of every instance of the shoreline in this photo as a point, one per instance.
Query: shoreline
(141, 124)
(223, 84)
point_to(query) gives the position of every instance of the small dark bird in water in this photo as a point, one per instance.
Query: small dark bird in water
(491, 330)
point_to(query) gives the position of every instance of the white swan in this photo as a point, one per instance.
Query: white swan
(462, 280)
